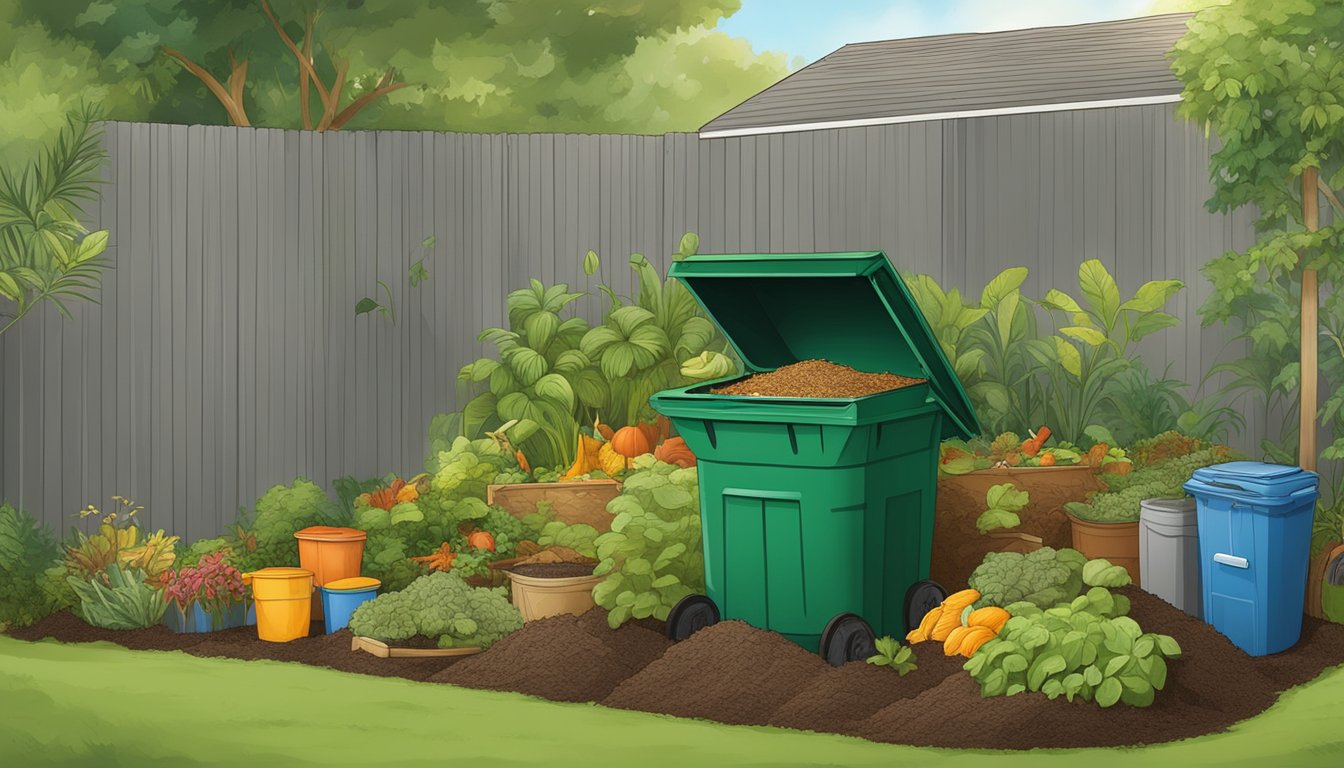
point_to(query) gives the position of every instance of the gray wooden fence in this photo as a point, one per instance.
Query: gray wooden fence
(225, 356)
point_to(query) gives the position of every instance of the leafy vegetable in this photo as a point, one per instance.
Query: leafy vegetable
(652, 556)
(1044, 577)
(1100, 573)
(27, 550)
(1084, 648)
(891, 653)
(440, 607)
(119, 598)
(1003, 502)
(1163, 479)
(580, 537)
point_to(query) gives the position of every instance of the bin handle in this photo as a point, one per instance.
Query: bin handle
(1232, 560)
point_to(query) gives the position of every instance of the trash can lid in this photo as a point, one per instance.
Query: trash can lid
(848, 308)
(329, 533)
(278, 572)
(352, 584)
(1255, 478)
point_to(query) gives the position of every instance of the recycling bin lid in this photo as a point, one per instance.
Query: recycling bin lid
(1255, 478)
(848, 308)
(352, 584)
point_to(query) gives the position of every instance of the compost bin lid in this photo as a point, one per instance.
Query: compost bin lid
(848, 308)
(352, 584)
(330, 533)
(1256, 478)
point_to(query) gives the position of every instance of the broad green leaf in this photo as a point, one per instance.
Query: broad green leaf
(366, 305)
(93, 245)
(1150, 324)
(1108, 692)
(556, 389)
(1006, 281)
(1090, 336)
(1100, 290)
(1068, 357)
(1153, 295)
(689, 246)
(1058, 300)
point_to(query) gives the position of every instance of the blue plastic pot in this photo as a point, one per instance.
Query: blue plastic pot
(338, 605)
(197, 619)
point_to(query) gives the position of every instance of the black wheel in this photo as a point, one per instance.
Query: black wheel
(920, 598)
(847, 638)
(690, 615)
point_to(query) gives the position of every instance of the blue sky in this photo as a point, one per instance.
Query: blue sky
(811, 29)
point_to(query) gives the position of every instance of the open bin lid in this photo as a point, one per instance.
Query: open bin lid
(848, 308)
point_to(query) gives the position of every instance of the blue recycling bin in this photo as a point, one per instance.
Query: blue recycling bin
(1254, 540)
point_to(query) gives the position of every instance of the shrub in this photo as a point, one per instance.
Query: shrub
(268, 538)
(651, 557)
(1086, 647)
(192, 555)
(1044, 577)
(119, 598)
(1161, 480)
(442, 608)
(27, 551)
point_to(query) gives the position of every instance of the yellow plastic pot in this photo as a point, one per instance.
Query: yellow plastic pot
(284, 599)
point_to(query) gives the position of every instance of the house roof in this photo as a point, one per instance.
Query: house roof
(1109, 63)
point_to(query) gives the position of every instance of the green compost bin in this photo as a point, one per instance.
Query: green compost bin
(817, 514)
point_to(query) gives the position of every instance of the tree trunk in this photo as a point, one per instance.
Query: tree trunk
(1306, 440)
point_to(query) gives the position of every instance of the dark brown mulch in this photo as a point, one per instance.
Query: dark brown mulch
(563, 658)
(730, 672)
(553, 570)
(734, 673)
(816, 378)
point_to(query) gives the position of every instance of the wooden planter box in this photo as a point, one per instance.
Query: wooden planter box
(572, 502)
(958, 546)
(384, 651)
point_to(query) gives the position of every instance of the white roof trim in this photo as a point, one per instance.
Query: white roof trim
(860, 122)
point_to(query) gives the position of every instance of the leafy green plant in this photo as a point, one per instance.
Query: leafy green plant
(580, 537)
(46, 254)
(540, 379)
(1100, 573)
(190, 556)
(891, 654)
(1003, 503)
(651, 557)
(416, 274)
(1162, 480)
(265, 537)
(1086, 648)
(1094, 343)
(1044, 577)
(27, 550)
(119, 598)
(442, 608)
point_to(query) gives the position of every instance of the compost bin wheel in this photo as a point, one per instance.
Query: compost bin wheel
(847, 638)
(690, 615)
(920, 598)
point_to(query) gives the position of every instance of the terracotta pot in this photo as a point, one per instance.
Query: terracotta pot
(1117, 542)
(1316, 575)
(572, 502)
(537, 598)
(958, 546)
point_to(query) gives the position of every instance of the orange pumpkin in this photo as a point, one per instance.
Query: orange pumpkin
(481, 540)
(675, 451)
(630, 442)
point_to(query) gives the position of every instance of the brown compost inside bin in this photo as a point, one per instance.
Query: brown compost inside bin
(816, 378)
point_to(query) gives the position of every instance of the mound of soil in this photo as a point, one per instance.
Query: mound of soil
(734, 673)
(562, 658)
(730, 672)
(816, 378)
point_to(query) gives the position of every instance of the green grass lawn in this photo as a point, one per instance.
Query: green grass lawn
(103, 705)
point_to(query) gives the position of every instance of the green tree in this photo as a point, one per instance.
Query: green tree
(499, 65)
(1268, 79)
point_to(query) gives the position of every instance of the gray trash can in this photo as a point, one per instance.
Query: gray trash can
(1169, 553)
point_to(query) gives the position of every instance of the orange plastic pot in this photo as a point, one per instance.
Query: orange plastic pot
(331, 554)
(284, 598)
(1116, 542)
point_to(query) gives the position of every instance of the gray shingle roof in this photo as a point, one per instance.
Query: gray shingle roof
(1024, 70)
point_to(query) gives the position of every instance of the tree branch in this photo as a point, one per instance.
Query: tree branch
(305, 66)
(1329, 195)
(237, 113)
(329, 114)
(305, 108)
(363, 101)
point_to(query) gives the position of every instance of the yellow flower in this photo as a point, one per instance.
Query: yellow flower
(407, 493)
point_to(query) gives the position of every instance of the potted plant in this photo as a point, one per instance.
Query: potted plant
(1106, 525)
(559, 578)
(206, 597)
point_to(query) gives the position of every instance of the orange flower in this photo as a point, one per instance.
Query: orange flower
(522, 462)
